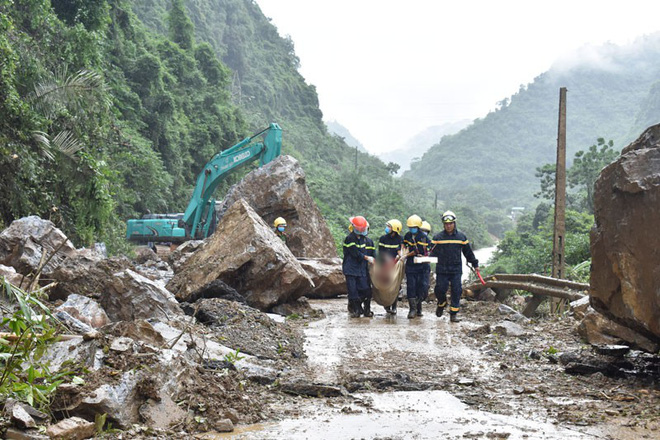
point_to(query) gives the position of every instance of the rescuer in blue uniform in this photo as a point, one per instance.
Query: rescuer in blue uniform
(355, 264)
(389, 249)
(417, 245)
(426, 229)
(448, 246)
(368, 294)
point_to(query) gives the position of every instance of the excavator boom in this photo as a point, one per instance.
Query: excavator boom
(198, 221)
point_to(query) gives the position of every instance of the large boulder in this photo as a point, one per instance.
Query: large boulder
(278, 189)
(327, 275)
(28, 240)
(625, 249)
(85, 273)
(246, 254)
(128, 296)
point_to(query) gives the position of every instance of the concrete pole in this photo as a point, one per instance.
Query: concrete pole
(560, 212)
(558, 244)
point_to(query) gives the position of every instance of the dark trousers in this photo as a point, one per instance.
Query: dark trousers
(356, 286)
(415, 285)
(442, 282)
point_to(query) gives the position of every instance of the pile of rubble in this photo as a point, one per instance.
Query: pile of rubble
(182, 345)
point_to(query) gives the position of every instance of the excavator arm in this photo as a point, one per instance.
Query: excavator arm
(198, 221)
(202, 203)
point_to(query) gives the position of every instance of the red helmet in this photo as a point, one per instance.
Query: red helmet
(359, 223)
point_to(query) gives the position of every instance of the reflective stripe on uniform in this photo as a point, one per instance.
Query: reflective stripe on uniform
(356, 245)
(443, 304)
(390, 246)
(449, 242)
(454, 309)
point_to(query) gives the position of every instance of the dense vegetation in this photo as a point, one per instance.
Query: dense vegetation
(105, 116)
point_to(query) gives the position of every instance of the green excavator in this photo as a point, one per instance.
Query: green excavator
(199, 220)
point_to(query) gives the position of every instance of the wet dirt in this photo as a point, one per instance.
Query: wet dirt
(427, 377)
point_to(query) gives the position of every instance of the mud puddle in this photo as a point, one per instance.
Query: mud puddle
(405, 415)
(428, 378)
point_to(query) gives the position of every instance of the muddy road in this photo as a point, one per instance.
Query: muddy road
(428, 378)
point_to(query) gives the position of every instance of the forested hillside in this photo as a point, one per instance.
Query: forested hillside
(267, 86)
(104, 117)
(502, 151)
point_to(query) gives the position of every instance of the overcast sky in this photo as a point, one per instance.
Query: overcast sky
(386, 69)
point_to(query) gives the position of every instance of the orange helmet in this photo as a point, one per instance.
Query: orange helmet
(359, 224)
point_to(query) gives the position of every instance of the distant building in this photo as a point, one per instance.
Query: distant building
(516, 212)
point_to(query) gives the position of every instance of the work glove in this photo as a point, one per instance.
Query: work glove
(370, 259)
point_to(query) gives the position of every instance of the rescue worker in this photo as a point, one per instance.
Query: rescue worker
(280, 227)
(417, 245)
(448, 245)
(355, 264)
(426, 230)
(368, 294)
(389, 249)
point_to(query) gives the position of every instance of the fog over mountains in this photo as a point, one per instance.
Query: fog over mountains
(416, 146)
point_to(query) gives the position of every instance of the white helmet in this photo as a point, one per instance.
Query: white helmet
(448, 217)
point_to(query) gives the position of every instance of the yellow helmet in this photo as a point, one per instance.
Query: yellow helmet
(448, 217)
(395, 225)
(414, 221)
(279, 221)
(426, 226)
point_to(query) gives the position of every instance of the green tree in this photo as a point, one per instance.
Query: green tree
(587, 166)
(581, 176)
(181, 27)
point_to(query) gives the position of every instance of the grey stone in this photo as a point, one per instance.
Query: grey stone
(278, 189)
(613, 350)
(507, 328)
(128, 296)
(624, 276)
(24, 242)
(327, 275)
(246, 254)
(20, 418)
(311, 389)
(597, 329)
(85, 310)
(73, 428)
(580, 307)
(224, 425)
(122, 344)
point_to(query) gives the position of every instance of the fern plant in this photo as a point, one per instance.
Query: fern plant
(29, 334)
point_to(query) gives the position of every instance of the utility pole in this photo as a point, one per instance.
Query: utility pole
(560, 212)
(558, 244)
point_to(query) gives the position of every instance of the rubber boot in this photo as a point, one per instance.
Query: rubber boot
(438, 311)
(412, 312)
(396, 301)
(360, 310)
(453, 317)
(354, 308)
(419, 307)
(367, 308)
